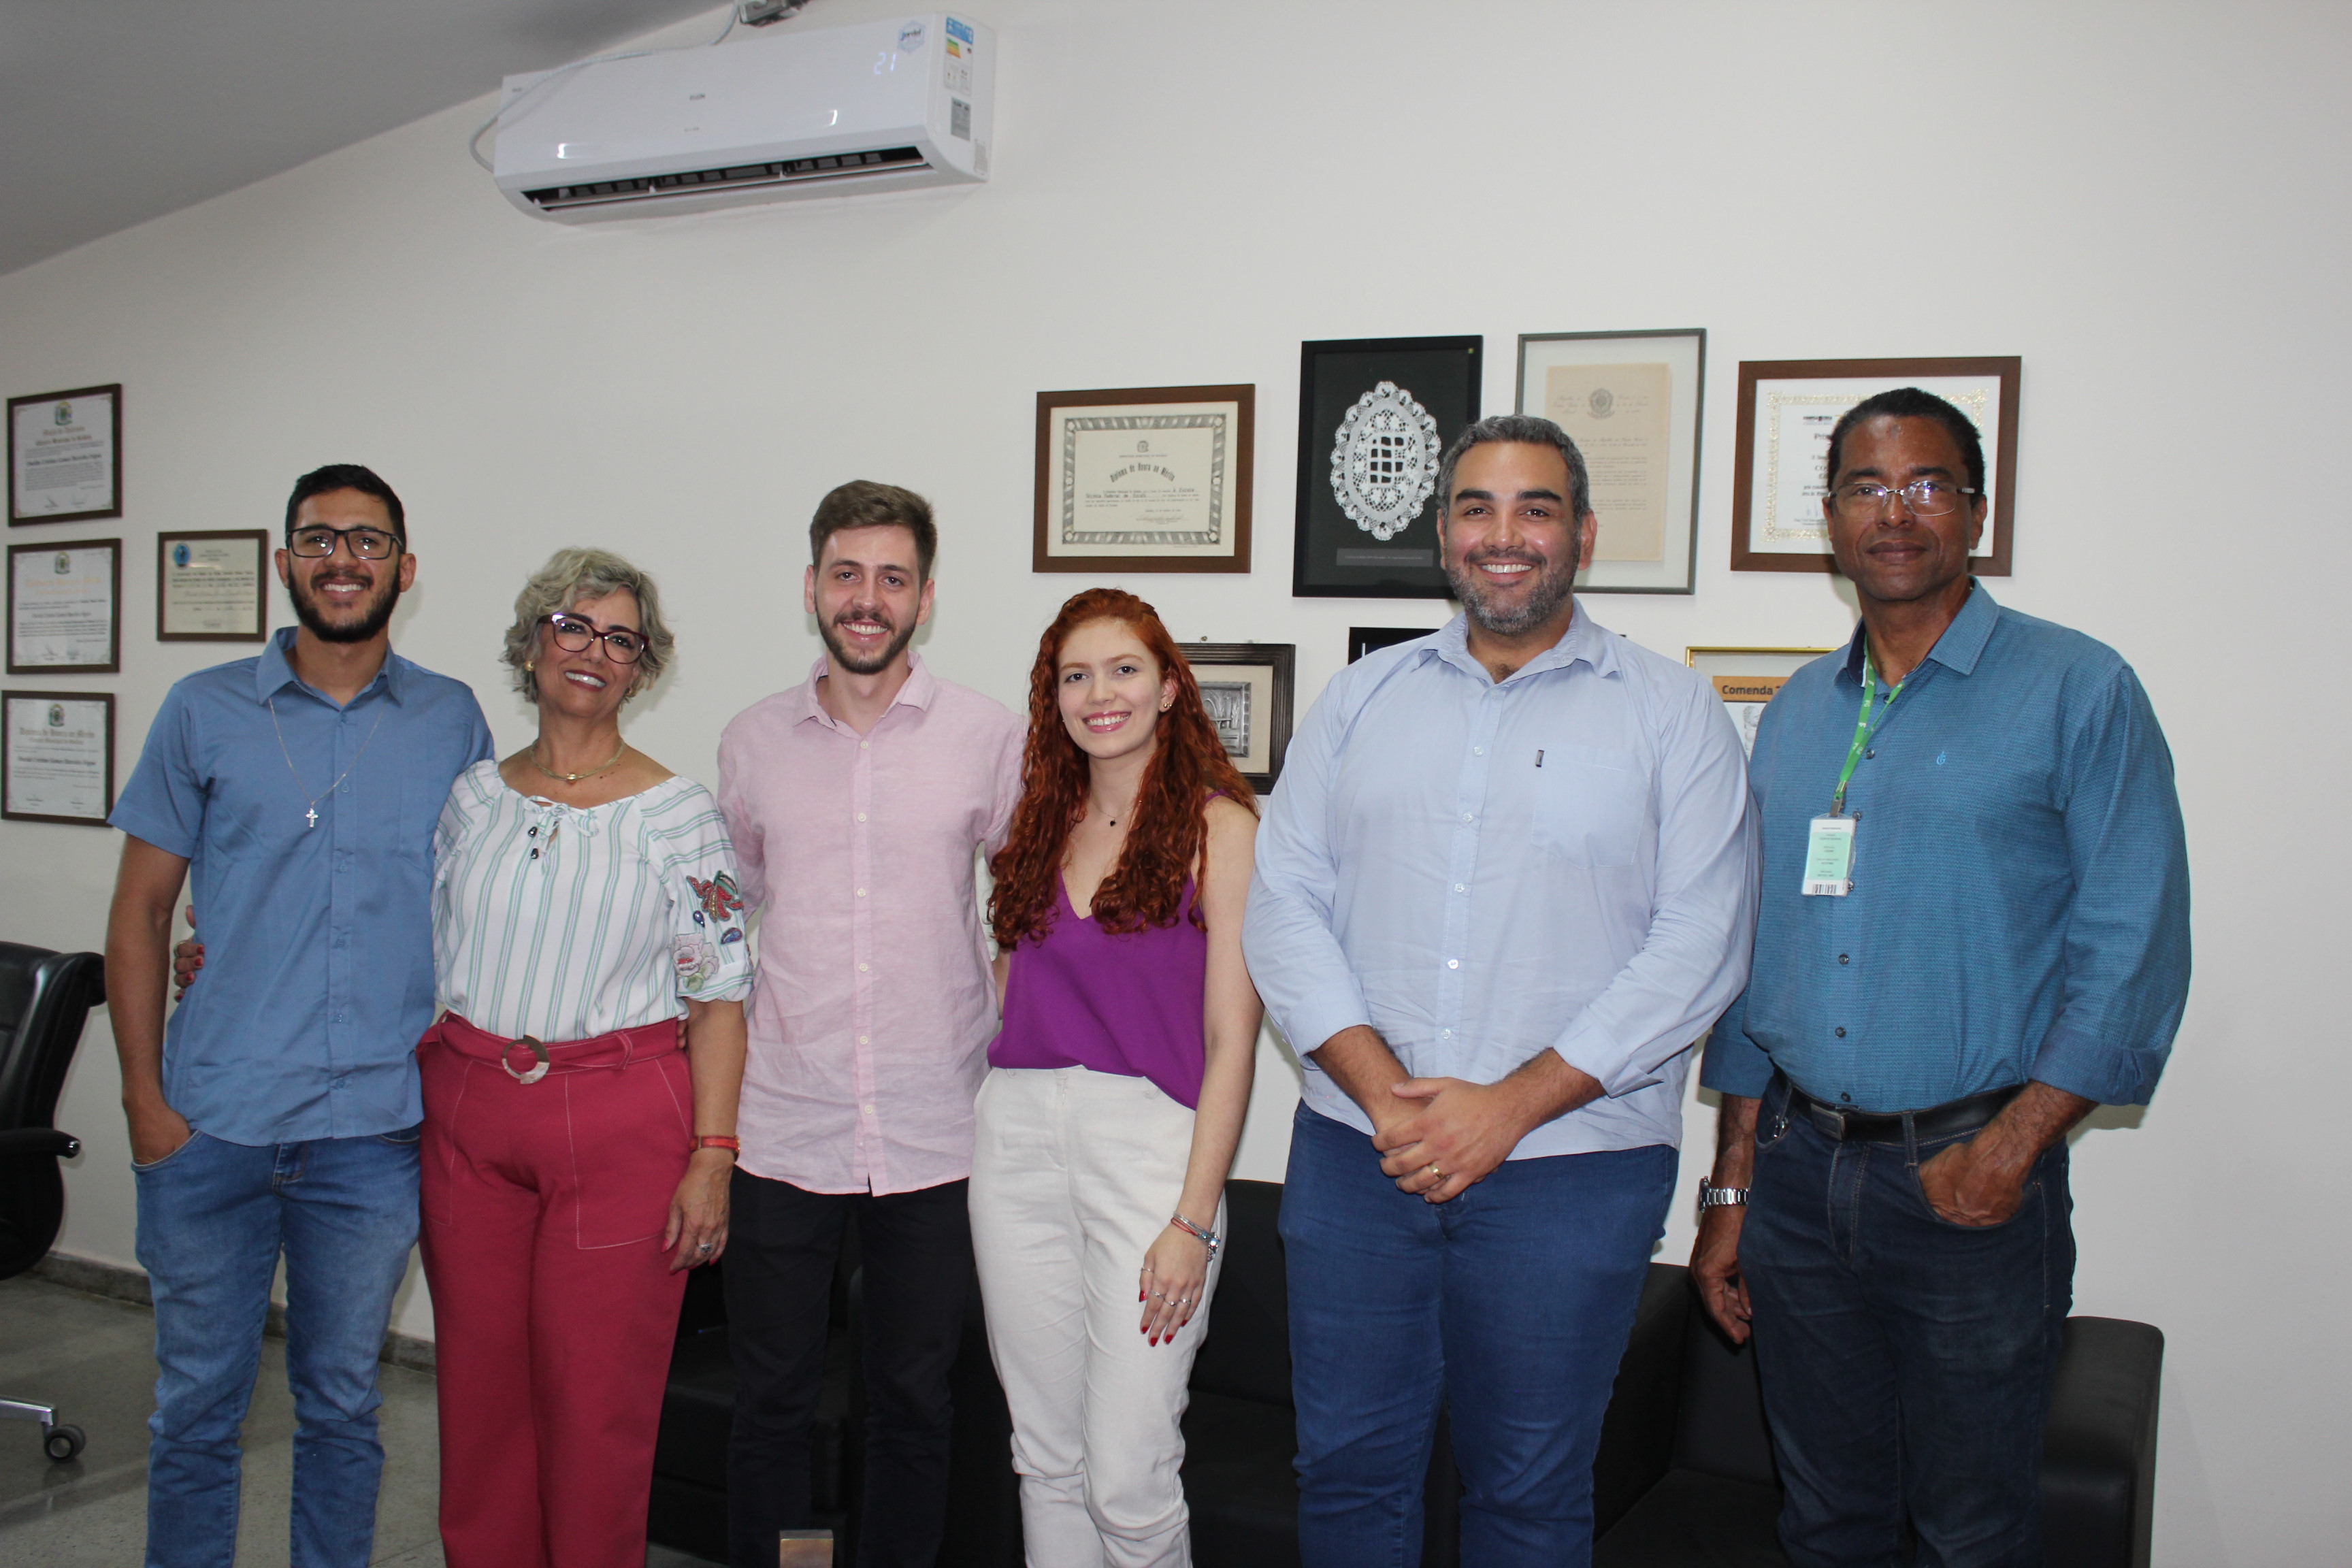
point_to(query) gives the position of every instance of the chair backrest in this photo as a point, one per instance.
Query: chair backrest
(1246, 1354)
(45, 999)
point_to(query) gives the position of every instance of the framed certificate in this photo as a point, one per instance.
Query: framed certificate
(1630, 402)
(65, 456)
(65, 608)
(209, 585)
(1787, 409)
(1145, 479)
(58, 760)
(1746, 678)
(1375, 415)
(1247, 687)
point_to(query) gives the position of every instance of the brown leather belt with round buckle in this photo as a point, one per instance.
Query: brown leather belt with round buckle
(1947, 1120)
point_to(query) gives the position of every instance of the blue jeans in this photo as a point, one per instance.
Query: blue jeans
(212, 1218)
(1906, 1362)
(1510, 1304)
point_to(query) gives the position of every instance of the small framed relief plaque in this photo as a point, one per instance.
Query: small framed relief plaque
(1746, 678)
(1375, 415)
(1786, 410)
(1145, 479)
(65, 456)
(1630, 402)
(1247, 688)
(210, 585)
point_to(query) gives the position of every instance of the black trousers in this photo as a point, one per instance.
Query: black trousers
(782, 1247)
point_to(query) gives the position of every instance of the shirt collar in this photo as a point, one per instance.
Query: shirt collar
(920, 688)
(1585, 640)
(1960, 647)
(274, 671)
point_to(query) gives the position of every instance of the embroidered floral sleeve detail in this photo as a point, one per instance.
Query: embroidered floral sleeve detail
(721, 901)
(697, 960)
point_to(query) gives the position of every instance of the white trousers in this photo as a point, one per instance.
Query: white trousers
(1074, 1176)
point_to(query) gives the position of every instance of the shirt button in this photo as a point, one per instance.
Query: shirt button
(861, 968)
(1466, 816)
(1869, 753)
(1847, 1098)
(1839, 1031)
(1460, 888)
(1841, 958)
(1452, 964)
(861, 1039)
(534, 833)
(861, 816)
(1477, 751)
(869, 1110)
(534, 854)
(861, 892)
(862, 745)
(1445, 1034)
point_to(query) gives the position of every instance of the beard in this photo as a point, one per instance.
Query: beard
(844, 659)
(1555, 581)
(371, 616)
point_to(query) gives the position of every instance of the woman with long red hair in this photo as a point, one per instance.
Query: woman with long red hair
(1116, 1089)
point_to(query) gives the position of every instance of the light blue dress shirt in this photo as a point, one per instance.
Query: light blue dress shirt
(2021, 880)
(318, 940)
(1482, 870)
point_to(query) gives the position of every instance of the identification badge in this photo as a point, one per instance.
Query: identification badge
(1829, 857)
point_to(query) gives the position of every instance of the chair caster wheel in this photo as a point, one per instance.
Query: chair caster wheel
(62, 1443)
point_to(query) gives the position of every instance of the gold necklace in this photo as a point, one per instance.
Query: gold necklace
(575, 778)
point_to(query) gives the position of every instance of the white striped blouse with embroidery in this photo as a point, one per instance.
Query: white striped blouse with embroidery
(565, 923)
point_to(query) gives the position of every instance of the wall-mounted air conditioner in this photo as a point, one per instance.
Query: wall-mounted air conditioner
(877, 106)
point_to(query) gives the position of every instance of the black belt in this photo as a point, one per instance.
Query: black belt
(1947, 1120)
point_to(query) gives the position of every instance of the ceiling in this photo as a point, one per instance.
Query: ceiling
(112, 113)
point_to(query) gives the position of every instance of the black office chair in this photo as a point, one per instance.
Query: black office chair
(45, 998)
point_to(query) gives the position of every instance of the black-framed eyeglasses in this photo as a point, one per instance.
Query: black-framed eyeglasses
(1926, 498)
(367, 543)
(574, 635)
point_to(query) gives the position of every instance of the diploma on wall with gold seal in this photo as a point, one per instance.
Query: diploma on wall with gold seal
(209, 585)
(1147, 479)
(56, 756)
(65, 456)
(1631, 402)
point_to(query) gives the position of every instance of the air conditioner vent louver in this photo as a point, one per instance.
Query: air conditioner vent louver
(695, 181)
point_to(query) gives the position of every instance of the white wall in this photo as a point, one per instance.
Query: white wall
(2147, 202)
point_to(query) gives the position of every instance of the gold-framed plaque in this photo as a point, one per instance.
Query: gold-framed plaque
(1145, 479)
(1746, 678)
(212, 585)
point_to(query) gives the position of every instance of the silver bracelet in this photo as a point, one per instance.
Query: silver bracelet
(1207, 1238)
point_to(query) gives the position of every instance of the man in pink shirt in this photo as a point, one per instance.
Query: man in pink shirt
(858, 801)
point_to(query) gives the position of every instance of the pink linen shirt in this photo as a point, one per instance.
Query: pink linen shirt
(873, 1007)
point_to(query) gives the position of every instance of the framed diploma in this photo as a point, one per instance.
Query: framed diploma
(1787, 409)
(65, 608)
(1375, 415)
(1630, 402)
(1247, 687)
(65, 456)
(58, 763)
(1145, 479)
(1745, 678)
(209, 585)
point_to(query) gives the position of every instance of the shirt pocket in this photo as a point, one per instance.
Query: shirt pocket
(1590, 806)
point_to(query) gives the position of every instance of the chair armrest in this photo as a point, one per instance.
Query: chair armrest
(2098, 1475)
(40, 1140)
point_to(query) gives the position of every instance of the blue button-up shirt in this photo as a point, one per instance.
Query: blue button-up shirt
(1482, 870)
(2020, 883)
(318, 940)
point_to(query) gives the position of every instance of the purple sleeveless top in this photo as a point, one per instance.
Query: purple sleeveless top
(1130, 1005)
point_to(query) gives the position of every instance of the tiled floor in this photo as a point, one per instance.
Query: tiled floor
(94, 1360)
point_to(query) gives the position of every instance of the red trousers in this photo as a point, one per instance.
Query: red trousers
(553, 1306)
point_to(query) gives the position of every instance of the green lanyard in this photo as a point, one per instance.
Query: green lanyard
(1863, 732)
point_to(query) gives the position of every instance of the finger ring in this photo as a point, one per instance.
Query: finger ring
(1157, 1296)
(704, 1247)
(1435, 1171)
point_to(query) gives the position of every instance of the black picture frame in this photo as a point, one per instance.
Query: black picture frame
(1362, 640)
(1268, 675)
(1382, 552)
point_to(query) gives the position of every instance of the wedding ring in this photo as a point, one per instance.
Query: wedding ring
(1435, 1171)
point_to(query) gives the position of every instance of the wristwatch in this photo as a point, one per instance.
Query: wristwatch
(1711, 1196)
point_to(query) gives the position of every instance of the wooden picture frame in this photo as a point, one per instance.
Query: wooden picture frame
(1634, 404)
(1249, 688)
(1145, 479)
(66, 616)
(1777, 396)
(226, 617)
(26, 428)
(1367, 521)
(1746, 678)
(12, 785)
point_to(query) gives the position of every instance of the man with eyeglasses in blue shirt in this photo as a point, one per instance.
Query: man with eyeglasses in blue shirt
(277, 1114)
(1506, 880)
(1974, 929)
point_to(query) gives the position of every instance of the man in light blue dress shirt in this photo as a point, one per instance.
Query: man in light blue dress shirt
(278, 1113)
(1507, 879)
(1974, 929)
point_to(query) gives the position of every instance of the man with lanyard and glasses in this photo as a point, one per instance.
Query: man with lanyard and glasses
(1974, 929)
(278, 1113)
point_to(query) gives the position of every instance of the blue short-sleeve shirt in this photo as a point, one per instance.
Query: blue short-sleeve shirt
(318, 936)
